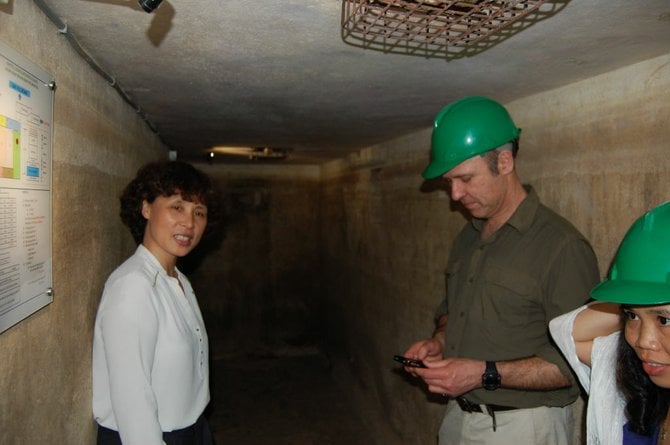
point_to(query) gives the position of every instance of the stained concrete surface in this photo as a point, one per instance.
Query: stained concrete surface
(289, 400)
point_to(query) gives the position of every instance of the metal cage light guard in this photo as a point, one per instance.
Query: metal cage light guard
(430, 26)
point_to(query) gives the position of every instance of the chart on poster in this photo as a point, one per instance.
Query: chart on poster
(26, 128)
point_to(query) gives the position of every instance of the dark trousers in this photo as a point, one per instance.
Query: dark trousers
(196, 434)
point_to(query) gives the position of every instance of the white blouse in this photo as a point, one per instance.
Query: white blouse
(150, 353)
(605, 415)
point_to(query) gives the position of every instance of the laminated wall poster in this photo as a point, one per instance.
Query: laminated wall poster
(26, 128)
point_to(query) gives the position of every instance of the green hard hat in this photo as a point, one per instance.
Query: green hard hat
(468, 127)
(640, 273)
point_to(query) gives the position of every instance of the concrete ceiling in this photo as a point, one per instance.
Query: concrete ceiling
(279, 73)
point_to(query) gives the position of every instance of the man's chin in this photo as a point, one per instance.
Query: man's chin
(475, 210)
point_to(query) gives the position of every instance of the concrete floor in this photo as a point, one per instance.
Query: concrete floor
(293, 400)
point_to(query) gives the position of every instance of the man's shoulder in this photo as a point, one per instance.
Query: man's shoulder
(547, 219)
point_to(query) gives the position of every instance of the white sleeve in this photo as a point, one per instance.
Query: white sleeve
(606, 409)
(561, 330)
(129, 325)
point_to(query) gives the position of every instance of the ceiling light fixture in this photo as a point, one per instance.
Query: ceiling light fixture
(251, 153)
(429, 26)
(149, 5)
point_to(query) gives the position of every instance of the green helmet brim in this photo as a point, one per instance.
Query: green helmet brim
(436, 169)
(631, 292)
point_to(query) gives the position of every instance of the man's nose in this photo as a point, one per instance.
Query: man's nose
(456, 191)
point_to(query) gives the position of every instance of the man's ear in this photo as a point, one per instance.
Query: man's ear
(505, 162)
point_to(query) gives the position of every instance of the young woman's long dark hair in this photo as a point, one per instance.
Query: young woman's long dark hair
(646, 403)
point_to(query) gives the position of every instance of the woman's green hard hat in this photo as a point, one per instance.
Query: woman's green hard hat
(465, 128)
(640, 273)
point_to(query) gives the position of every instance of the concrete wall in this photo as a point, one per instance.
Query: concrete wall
(98, 144)
(351, 255)
(597, 151)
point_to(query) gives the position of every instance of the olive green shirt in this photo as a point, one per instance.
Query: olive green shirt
(503, 291)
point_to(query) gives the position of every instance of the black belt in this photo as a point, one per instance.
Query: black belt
(470, 407)
(489, 408)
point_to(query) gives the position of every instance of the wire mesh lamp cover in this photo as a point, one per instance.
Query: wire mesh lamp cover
(430, 26)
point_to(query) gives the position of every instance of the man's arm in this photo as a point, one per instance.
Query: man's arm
(572, 274)
(535, 373)
(532, 373)
(456, 376)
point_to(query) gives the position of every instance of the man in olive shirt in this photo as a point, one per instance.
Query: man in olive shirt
(514, 266)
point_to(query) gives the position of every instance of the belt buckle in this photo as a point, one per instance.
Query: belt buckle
(468, 406)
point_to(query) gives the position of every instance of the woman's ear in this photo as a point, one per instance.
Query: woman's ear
(146, 209)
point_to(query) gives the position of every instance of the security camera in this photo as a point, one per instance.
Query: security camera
(149, 5)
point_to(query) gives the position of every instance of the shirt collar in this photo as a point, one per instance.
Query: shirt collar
(524, 214)
(152, 260)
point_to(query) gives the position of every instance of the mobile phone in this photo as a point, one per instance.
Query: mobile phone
(409, 362)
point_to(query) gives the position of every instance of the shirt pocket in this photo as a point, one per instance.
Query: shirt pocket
(510, 298)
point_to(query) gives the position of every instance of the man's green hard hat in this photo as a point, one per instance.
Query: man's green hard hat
(640, 273)
(465, 128)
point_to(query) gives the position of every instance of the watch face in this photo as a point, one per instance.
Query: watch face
(491, 381)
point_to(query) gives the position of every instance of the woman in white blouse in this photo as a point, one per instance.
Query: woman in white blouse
(619, 346)
(150, 350)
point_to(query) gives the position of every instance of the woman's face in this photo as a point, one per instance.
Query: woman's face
(648, 333)
(174, 227)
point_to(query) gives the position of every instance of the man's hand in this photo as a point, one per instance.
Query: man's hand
(428, 350)
(425, 350)
(453, 376)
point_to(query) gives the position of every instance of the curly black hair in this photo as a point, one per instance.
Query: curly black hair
(646, 403)
(168, 178)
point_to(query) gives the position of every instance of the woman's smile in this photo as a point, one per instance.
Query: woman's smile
(654, 369)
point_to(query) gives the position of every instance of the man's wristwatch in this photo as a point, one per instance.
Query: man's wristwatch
(491, 378)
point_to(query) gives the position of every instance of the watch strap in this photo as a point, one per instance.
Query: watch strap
(491, 377)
